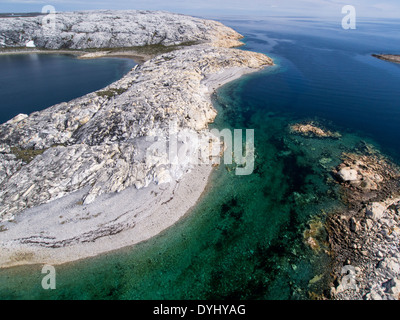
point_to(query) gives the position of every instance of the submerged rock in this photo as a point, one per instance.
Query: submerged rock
(315, 236)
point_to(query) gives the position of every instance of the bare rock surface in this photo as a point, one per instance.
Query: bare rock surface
(111, 29)
(117, 138)
(388, 57)
(312, 129)
(365, 240)
(102, 139)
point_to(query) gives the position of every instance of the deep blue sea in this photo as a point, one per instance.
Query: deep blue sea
(245, 238)
(31, 82)
(328, 72)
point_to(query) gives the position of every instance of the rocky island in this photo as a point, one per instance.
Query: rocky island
(84, 177)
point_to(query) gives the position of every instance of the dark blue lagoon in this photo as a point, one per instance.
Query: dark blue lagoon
(246, 238)
(32, 82)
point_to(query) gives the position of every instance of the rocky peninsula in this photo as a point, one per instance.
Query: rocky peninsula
(91, 175)
(388, 57)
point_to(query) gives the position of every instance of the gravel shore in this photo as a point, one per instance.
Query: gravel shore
(82, 177)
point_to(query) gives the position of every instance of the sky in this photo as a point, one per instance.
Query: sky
(306, 8)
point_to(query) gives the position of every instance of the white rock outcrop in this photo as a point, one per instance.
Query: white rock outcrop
(111, 29)
(103, 140)
(348, 174)
(375, 210)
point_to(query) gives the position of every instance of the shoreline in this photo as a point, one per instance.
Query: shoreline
(85, 177)
(176, 201)
(65, 230)
(131, 54)
(364, 238)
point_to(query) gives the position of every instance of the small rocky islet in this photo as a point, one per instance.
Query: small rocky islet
(310, 129)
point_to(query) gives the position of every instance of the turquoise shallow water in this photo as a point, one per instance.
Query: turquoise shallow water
(244, 240)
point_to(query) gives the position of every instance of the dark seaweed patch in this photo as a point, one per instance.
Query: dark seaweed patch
(231, 209)
(295, 174)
